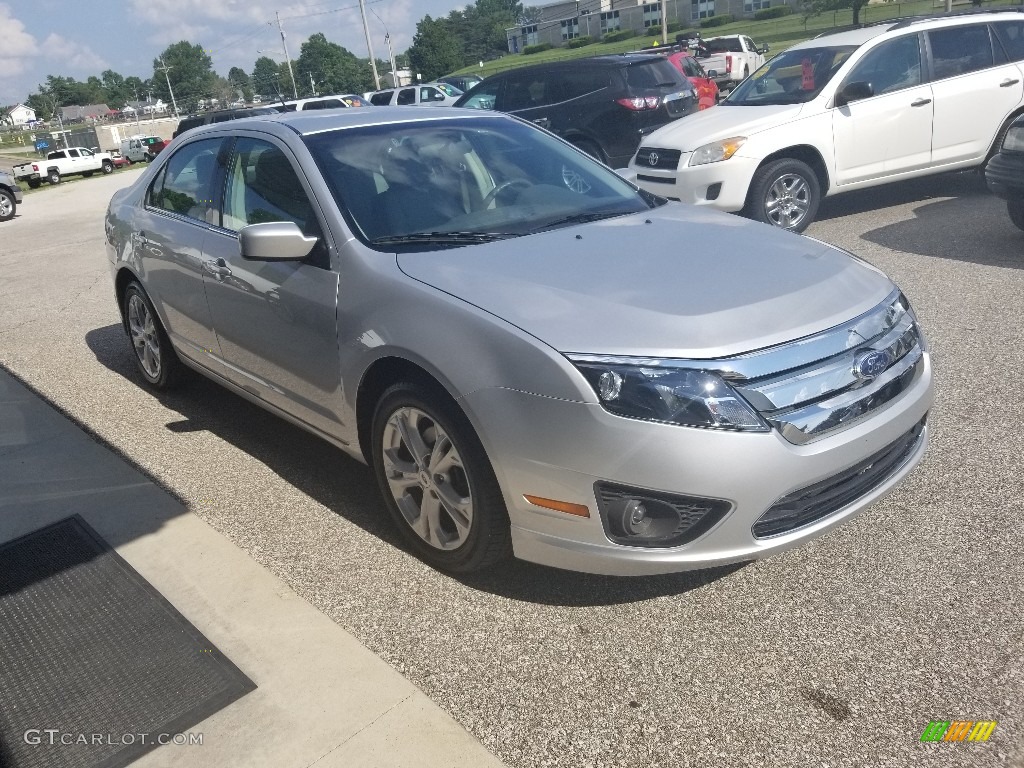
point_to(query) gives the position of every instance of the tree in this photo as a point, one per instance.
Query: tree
(266, 78)
(436, 50)
(191, 74)
(816, 7)
(333, 68)
(240, 82)
(114, 86)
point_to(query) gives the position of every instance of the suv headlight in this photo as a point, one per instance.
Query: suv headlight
(1014, 139)
(653, 391)
(717, 151)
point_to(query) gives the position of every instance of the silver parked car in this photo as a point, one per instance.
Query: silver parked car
(535, 357)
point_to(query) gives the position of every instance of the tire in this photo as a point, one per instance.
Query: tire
(53, 177)
(1016, 210)
(8, 205)
(471, 531)
(86, 174)
(108, 167)
(154, 356)
(34, 183)
(584, 145)
(784, 193)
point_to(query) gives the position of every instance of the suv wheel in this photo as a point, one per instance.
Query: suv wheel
(1016, 210)
(784, 193)
(7, 205)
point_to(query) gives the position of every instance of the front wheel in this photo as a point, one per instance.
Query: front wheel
(154, 356)
(784, 193)
(437, 482)
(1016, 210)
(8, 206)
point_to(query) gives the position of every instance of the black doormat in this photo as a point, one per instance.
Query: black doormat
(96, 667)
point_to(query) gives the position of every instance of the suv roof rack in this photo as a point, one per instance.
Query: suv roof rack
(911, 20)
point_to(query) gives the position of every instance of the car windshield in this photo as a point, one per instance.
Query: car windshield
(792, 77)
(453, 182)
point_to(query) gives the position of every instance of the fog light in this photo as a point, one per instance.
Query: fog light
(642, 518)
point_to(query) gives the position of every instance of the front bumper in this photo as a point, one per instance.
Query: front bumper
(570, 446)
(720, 185)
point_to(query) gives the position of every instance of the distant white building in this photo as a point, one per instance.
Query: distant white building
(398, 78)
(21, 115)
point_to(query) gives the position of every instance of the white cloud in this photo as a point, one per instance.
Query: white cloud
(76, 58)
(17, 47)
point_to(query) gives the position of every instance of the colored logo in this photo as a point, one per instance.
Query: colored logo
(958, 730)
(869, 364)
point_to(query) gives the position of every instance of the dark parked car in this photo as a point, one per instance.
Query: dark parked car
(219, 116)
(462, 82)
(1004, 173)
(603, 105)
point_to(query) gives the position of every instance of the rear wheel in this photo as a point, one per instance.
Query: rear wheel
(53, 176)
(436, 480)
(784, 193)
(585, 145)
(8, 206)
(154, 356)
(108, 167)
(1016, 210)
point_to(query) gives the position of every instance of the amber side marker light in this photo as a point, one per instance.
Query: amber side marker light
(559, 506)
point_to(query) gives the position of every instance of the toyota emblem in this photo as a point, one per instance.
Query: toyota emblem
(652, 159)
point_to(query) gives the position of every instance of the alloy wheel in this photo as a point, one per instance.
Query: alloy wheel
(144, 335)
(787, 201)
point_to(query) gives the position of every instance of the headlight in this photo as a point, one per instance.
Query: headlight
(1014, 139)
(673, 395)
(716, 151)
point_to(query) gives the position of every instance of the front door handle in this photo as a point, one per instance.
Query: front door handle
(218, 268)
(920, 102)
(1008, 82)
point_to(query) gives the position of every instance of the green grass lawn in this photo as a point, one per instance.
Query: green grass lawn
(777, 33)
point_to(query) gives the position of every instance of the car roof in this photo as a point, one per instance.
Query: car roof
(871, 31)
(314, 121)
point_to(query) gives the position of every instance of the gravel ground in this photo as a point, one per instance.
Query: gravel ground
(837, 654)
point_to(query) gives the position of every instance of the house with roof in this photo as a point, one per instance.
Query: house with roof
(20, 115)
(75, 114)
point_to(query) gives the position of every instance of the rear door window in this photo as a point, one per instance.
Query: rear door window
(406, 96)
(381, 99)
(960, 50)
(191, 182)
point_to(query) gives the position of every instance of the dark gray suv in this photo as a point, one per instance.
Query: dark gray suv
(603, 105)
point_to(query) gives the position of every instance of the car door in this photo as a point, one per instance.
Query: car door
(167, 239)
(275, 321)
(891, 132)
(975, 89)
(532, 95)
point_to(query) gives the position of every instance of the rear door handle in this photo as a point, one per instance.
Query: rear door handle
(217, 267)
(543, 122)
(1008, 82)
(920, 102)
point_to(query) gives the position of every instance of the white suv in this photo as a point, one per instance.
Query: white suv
(842, 112)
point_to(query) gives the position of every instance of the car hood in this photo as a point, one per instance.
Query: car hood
(677, 281)
(721, 122)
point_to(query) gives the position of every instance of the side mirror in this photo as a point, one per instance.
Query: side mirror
(712, 74)
(763, 49)
(274, 241)
(854, 91)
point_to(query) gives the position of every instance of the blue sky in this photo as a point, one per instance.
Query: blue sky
(78, 38)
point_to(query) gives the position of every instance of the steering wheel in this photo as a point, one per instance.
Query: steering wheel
(489, 198)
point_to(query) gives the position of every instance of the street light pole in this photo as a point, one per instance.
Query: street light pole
(166, 69)
(391, 51)
(287, 58)
(369, 46)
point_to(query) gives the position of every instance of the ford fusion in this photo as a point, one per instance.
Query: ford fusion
(536, 358)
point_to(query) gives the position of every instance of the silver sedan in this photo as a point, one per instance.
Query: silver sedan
(536, 357)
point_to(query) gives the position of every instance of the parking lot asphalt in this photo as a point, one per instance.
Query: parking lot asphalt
(837, 654)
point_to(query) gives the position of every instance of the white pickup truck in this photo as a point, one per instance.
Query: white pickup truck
(733, 57)
(63, 162)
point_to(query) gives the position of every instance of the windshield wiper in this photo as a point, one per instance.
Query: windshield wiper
(462, 238)
(581, 218)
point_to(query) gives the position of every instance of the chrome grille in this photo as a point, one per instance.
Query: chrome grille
(666, 159)
(811, 387)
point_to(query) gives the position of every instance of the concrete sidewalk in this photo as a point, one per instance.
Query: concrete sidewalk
(322, 698)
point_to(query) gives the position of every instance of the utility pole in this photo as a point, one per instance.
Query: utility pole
(166, 69)
(312, 85)
(287, 58)
(391, 51)
(664, 21)
(369, 46)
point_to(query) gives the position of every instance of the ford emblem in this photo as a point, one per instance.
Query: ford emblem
(652, 159)
(870, 363)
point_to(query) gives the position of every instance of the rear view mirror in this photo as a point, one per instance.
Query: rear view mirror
(854, 91)
(274, 241)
